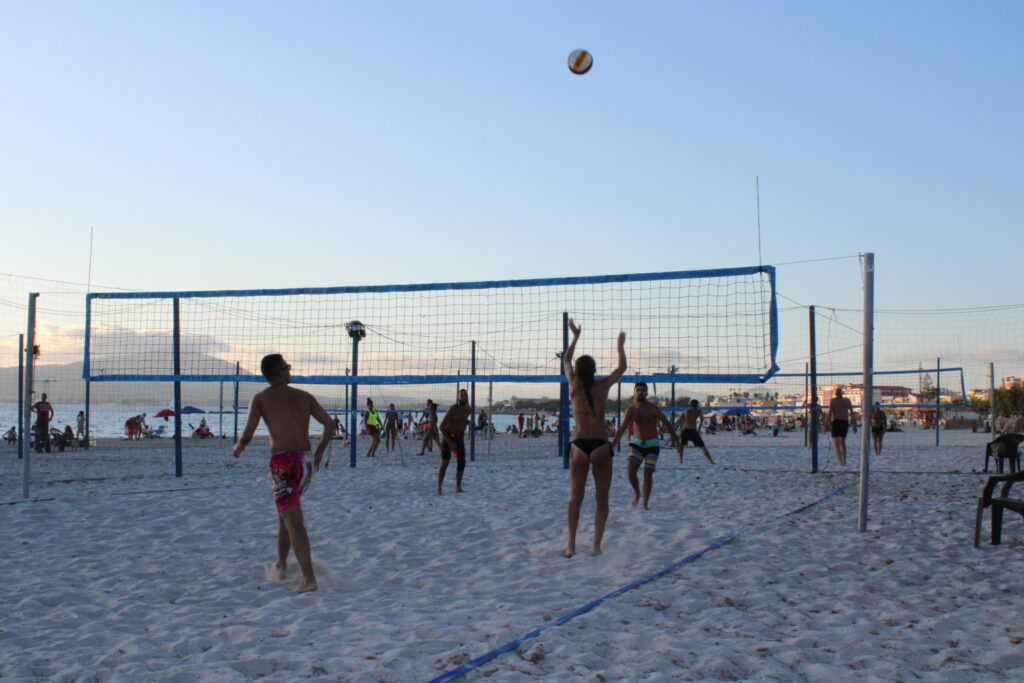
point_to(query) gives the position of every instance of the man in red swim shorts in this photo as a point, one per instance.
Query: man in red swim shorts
(452, 426)
(286, 412)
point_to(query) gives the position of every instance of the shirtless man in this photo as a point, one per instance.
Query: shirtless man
(644, 449)
(286, 412)
(452, 427)
(689, 430)
(840, 416)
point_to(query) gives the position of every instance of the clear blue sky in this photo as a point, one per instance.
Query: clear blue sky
(258, 144)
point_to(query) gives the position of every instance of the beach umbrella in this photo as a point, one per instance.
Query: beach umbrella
(166, 412)
(189, 410)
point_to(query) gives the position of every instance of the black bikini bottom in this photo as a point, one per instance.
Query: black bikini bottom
(588, 446)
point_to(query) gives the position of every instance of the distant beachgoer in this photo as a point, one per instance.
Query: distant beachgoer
(69, 438)
(391, 421)
(80, 432)
(44, 413)
(646, 447)
(452, 427)
(286, 412)
(429, 424)
(372, 420)
(689, 430)
(520, 418)
(589, 447)
(878, 423)
(840, 416)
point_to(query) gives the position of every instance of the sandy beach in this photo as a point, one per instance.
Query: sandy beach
(116, 570)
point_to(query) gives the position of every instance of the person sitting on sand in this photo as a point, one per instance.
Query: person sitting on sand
(286, 412)
(644, 449)
(452, 427)
(589, 447)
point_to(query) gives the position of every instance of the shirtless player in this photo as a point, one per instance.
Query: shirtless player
(286, 412)
(840, 417)
(689, 430)
(452, 427)
(644, 449)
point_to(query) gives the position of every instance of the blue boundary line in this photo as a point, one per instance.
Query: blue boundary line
(469, 666)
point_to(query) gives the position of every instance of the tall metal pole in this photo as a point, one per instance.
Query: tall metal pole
(21, 393)
(814, 393)
(563, 398)
(618, 415)
(672, 411)
(238, 371)
(88, 410)
(807, 403)
(472, 404)
(867, 399)
(26, 425)
(177, 387)
(992, 399)
(220, 410)
(356, 331)
(938, 397)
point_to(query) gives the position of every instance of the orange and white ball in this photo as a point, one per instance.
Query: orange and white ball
(580, 62)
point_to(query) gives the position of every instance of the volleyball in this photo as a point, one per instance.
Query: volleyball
(580, 62)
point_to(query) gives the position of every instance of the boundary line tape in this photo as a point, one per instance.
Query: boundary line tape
(511, 645)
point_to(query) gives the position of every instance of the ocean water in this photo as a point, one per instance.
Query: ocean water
(108, 420)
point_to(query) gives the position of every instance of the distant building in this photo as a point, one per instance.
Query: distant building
(1012, 382)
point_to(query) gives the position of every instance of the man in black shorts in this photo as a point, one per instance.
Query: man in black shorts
(452, 426)
(840, 417)
(689, 430)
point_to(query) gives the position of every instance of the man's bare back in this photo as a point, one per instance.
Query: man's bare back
(690, 418)
(840, 408)
(286, 412)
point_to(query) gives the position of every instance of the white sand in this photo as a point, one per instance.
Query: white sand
(119, 571)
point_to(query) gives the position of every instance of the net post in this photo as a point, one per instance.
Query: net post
(672, 409)
(30, 346)
(357, 332)
(563, 397)
(238, 371)
(472, 404)
(867, 398)
(21, 393)
(177, 386)
(938, 397)
(807, 403)
(220, 410)
(992, 399)
(88, 410)
(618, 415)
(814, 393)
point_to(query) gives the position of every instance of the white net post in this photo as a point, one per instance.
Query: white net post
(867, 399)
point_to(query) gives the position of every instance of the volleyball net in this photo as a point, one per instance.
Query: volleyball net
(688, 326)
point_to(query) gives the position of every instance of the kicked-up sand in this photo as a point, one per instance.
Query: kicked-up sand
(114, 569)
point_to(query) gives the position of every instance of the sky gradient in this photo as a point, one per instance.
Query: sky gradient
(258, 144)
